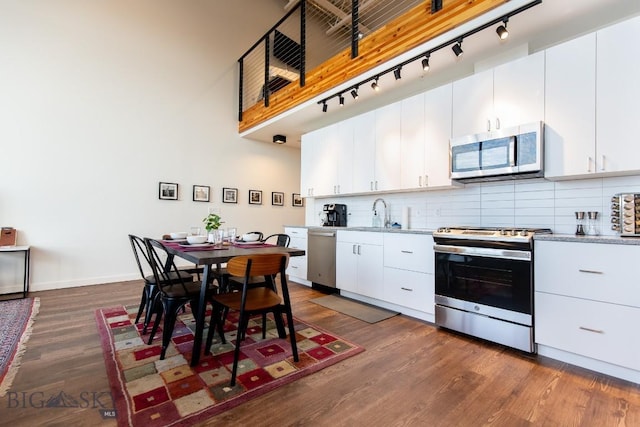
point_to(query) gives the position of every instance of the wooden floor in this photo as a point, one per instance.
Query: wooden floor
(411, 374)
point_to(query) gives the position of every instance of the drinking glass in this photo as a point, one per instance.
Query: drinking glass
(218, 236)
(232, 233)
(195, 231)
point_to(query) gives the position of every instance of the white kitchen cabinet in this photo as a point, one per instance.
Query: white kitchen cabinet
(408, 271)
(570, 108)
(508, 95)
(297, 268)
(318, 162)
(344, 155)
(587, 301)
(364, 137)
(437, 123)
(387, 154)
(412, 142)
(359, 257)
(618, 95)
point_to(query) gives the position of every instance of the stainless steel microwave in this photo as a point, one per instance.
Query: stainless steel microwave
(511, 153)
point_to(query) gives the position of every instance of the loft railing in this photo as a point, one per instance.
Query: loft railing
(309, 34)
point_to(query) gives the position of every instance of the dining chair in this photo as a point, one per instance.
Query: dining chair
(175, 290)
(254, 300)
(259, 233)
(280, 239)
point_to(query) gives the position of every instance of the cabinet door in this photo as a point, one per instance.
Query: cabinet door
(412, 142)
(325, 153)
(618, 95)
(409, 289)
(370, 271)
(364, 140)
(518, 91)
(308, 167)
(570, 108)
(437, 127)
(347, 266)
(344, 157)
(387, 154)
(473, 104)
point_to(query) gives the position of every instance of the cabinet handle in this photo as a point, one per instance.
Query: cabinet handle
(353, 249)
(358, 249)
(590, 271)
(426, 180)
(334, 190)
(371, 185)
(497, 122)
(420, 181)
(293, 266)
(407, 289)
(589, 162)
(597, 331)
(338, 188)
(376, 185)
(488, 125)
(602, 163)
(406, 252)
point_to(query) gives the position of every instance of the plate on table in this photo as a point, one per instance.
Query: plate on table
(242, 242)
(195, 245)
(175, 240)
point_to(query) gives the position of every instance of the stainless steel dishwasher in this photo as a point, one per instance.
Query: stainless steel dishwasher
(321, 257)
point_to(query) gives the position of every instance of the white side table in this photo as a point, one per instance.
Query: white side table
(27, 263)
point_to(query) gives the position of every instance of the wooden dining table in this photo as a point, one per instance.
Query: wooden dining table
(208, 258)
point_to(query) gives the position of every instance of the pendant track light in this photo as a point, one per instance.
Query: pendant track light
(425, 62)
(375, 85)
(397, 73)
(341, 98)
(354, 93)
(324, 106)
(502, 31)
(457, 48)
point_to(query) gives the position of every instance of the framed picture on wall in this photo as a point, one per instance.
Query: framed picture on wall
(201, 193)
(296, 200)
(255, 197)
(168, 191)
(277, 199)
(229, 195)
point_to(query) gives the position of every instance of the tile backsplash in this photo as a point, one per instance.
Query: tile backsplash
(520, 203)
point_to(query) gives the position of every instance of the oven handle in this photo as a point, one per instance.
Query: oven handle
(484, 252)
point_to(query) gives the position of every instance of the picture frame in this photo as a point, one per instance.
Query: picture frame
(168, 191)
(229, 195)
(201, 193)
(277, 198)
(255, 197)
(296, 200)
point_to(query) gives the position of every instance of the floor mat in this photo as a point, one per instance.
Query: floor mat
(357, 309)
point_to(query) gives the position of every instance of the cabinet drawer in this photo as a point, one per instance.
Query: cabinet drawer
(297, 267)
(409, 252)
(298, 243)
(602, 331)
(362, 237)
(600, 272)
(409, 289)
(294, 232)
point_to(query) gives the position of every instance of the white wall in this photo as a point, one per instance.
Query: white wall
(521, 203)
(101, 101)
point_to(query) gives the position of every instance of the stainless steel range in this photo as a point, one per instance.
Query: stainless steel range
(484, 283)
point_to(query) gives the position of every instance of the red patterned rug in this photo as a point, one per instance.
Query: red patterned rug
(152, 392)
(16, 318)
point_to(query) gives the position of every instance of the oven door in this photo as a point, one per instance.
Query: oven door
(492, 282)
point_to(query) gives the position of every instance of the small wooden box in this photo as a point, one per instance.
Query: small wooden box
(8, 236)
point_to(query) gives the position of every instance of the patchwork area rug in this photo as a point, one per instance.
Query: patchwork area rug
(152, 392)
(16, 319)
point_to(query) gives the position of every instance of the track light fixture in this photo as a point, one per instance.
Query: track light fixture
(324, 106)
(396, 73)
(341, 98)
(502, 30)
(457, 48)
(375, 85)
(425, 62)
(354, 93)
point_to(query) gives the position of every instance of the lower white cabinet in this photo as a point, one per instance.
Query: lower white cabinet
(359, 263)
(587, 305)
(297, 268)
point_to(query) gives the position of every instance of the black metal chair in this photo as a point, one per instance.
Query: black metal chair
(279, 239)
(254, 300)
(174, 291)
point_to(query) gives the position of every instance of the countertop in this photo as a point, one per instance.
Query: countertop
(370, 229)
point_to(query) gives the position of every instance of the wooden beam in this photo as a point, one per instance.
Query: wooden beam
(406, 32)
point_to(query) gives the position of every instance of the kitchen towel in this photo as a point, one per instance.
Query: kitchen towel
(405, 218)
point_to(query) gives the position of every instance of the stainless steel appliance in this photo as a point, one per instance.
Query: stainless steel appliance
(625, 214)
(510, 153)
(321, 257)
(335, 215)
(484, 283)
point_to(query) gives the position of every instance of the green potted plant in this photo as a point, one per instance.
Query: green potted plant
(212, 222)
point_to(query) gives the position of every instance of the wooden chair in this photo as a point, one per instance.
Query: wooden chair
(175, 289)
(254, 300)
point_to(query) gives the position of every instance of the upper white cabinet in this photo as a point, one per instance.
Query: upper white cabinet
(387, 155)
(618, 96)
(570, 108)
(508, 95)
(424, 142)
(364, 137)
(318, 157)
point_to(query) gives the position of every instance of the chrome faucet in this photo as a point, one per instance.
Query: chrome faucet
(385, 219)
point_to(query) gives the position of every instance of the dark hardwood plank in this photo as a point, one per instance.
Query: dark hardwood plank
(411, 374)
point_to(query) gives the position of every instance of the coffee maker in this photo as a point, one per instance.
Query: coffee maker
(335, 215)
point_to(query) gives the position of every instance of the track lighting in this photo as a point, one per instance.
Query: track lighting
(425, 62)
(375, 85)
(457, 48)
(354, 93)
(324, 106)
(341, 98)
(502, 30)
(396, 73)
